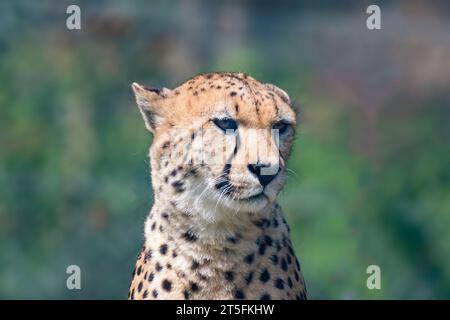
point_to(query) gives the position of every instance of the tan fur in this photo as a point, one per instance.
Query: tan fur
(203, 242)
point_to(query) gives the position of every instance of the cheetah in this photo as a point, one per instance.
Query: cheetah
(218, 159)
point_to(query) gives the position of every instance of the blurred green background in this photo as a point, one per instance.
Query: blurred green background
(371, 165)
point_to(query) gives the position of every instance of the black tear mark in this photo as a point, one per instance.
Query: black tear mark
(224, 185)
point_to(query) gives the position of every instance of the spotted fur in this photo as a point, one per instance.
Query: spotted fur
(215, 230)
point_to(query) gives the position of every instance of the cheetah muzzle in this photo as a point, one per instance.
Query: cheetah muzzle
(218, 161)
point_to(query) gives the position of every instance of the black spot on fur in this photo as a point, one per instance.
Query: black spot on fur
(190, 236)
(261, 223)
(194, 265)
(145, 294)
(262, 248)
(163, 249)
(148, 255)
(238, 294)
(265, 276)
(139, 270)
(186, 294)
(274, 259)
(279, 283)
(151, 276)
(140, 286)
(165, 145)
(193, 171)
(155, 294)
(167, 285)
(249, 258)
(288, 258)
(178, 186)
(268, 241)
(203, 277)
(158, 267)
(194, 287)
(275, 222)
(232, 93)
(289, 281)
(284, 265)
(229, 275)
(249, 277)
(165, 215)
(153, 226)
(288, 228)
(265, 296)
(232, 239)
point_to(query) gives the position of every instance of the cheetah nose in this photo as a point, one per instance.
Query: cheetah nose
(264, 177)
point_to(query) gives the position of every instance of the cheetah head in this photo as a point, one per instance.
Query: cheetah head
(220, 142)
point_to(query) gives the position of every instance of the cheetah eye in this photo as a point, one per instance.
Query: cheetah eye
(225, 124)
(282, 126)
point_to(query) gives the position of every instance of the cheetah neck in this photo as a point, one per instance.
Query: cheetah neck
(225, 242)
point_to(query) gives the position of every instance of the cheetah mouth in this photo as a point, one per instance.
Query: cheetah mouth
(229, 191)
(255, 197)
(230, 194)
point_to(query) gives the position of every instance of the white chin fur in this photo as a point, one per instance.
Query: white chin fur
(214, 207)
(207, 203)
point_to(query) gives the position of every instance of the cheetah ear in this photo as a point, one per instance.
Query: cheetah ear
(149, 101)
(280, 92)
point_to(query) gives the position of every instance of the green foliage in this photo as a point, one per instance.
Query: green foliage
(370, 175)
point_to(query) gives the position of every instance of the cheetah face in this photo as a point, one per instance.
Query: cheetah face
(221, 141)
